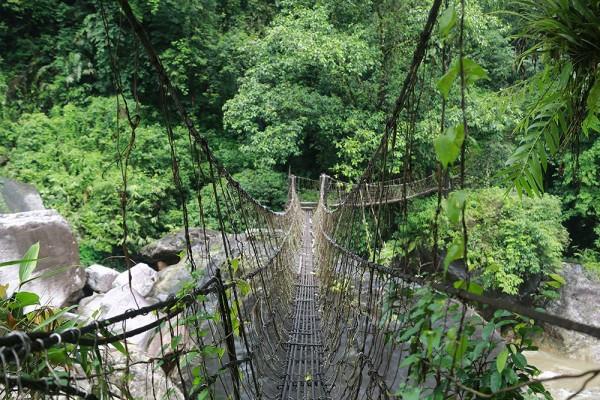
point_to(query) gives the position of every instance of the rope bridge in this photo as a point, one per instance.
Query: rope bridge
(297, 316)
(306, 305)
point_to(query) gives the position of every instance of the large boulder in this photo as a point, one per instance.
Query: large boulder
(100, 278)
(59, 276)
(117, 301)
(143, 379)
(16, 197)
(170, 281)
(143, 279)
(207, 249)
(168, 249)
(578, 302)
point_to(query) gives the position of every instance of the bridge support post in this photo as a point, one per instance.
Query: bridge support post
(293, 190)
(323, 189)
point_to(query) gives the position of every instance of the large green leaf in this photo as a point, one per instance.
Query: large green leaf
(15, 262)
(447, 146)
(455, 252)
(454, 205)
(501, 360)
(593, 99)
(473, 71)
(24, 299)
(27, 266)
(447, 21)
(444, 84)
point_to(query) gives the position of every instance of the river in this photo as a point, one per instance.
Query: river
(552, 364)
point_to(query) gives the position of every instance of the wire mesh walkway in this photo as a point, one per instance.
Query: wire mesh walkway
(303, 377)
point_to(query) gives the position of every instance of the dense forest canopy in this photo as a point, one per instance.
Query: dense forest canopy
(296, 86)
(492, 106)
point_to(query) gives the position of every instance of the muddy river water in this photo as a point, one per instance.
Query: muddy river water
(552, 364)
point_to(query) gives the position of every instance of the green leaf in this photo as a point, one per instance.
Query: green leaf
(447, 146)
(488, 330)
(57, 356)
(430, 339)
(447, 21)
(175, 340)
(235, 264)
(471, 288)
(558, 278)
(53, 318)
(495, 381)
(455, 252)
(461, 349)
(16, 262)
(26, 267)
(565, 74)
(410, 360)
(501, 360)
(445, 150)
(48, 274)
(593, 99)
(244, 287)
(473, 71)
(520, 360)
(591, 122)
(119, 346)
(24, 299)
(454, 205)
(203, 395)
(444, 84)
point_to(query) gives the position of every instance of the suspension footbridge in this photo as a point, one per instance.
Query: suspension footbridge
(304, 307)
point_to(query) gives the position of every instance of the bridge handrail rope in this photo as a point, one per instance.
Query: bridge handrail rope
(497, 304)
(44, 340)
(394, 187)
(18, 345)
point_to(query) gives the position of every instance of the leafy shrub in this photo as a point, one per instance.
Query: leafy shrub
(578, 184)
(266, 186)
(70, 155)
(511, 240)
(440, 338)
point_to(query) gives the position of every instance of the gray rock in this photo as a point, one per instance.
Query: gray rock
(578, 301)
(58, 271)
(134, 377)
(143, 380)
(16, 197)
(99, 278)
(117, 301)
(142, 279)
(169, 248)
(170, 281)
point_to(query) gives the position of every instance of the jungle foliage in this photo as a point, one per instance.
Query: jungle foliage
(305, 86)
(301, 86)
(513, 245)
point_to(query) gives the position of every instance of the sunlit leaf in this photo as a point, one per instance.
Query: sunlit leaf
(473, 71)
(501, 360)
(444, 84)
(24, 299)
(558, 278)
(26, 267)
(454, 205)
(447, 21)
(455, 252)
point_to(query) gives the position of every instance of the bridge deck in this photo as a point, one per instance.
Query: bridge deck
(303, 377)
